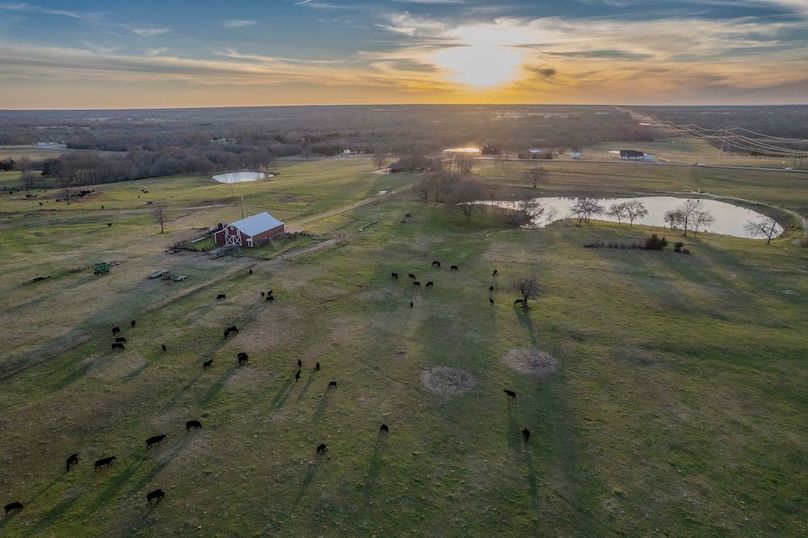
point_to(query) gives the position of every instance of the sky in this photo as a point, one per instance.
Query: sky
(179, 53)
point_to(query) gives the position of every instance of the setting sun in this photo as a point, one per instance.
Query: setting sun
(488, 55)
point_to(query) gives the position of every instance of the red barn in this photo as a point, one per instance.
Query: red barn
(252, 231)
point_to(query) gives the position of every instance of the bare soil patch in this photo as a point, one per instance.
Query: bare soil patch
(531, 361)
(447, 381)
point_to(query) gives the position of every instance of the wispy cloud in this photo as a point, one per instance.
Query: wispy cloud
(149, 31)
(238, 23)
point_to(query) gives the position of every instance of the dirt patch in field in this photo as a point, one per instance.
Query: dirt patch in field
(447, 381)
(531, 361)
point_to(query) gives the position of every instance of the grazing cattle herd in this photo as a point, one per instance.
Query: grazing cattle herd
(157, 495)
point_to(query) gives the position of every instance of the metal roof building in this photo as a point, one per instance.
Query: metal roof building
(251, 231)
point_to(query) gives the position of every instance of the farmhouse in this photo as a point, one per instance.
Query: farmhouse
(632, 155)
(252, 231)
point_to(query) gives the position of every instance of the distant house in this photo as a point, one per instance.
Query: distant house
(252, 231)
(632, 155)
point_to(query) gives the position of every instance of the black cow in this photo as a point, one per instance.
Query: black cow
(250, 271)
(490, 288)
(221, 297)
(297, 376)
(332, 385)
(132, 323)
(270, 298)
(412, 276)
(120, 339)
(270, 292)
(299, 364)
(322, 448)
(491, 300)
(207, 364)
(518, 301)
(412, 304)
(525, 434)
(394, 275)
(384, 430)
(416, 283)
(71, 461)
(16, 506)
(118, 345)
(115, 330)
(494, 273)
(156, 496)
(104, 462)
(163, 347)
(510, 394)
(455, 268)
(242, 358)
(193, 425)
(317, 367)
(430, 284)
(262, 294)
(436, 263)
(230, 330)
(155, 440)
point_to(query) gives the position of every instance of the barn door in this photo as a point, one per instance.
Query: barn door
(232, 238)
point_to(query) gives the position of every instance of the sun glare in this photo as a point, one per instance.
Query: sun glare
(487, 57)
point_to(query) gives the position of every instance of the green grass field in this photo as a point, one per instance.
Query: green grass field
(677, 407)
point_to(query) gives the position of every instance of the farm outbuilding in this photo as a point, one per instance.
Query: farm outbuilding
(252, 231)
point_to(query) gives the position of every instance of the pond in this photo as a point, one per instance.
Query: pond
(729, 219)
(241, 177)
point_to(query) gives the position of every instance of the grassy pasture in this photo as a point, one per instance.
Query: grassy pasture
(677, 407)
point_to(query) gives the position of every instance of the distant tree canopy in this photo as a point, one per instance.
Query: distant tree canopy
(133, 144)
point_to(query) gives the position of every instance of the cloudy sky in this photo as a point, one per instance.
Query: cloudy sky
(168, 53)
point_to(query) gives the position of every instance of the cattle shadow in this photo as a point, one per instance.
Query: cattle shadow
(305, 388)
(285, 391)
(325, 400)
(311, 472)
(373, 471)
(532, 480)
(513, 433)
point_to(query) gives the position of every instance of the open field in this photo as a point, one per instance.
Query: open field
(677, 406)
(683, 150)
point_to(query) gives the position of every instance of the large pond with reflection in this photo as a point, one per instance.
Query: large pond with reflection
(729, 219)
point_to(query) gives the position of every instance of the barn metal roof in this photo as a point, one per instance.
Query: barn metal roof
(256, 224)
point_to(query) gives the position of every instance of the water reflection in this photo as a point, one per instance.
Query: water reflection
(729, 219)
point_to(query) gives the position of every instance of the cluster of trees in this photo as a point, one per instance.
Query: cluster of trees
(631, 211)
(763, 226)
(690, 216)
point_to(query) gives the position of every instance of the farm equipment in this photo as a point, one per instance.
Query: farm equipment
(101, 268)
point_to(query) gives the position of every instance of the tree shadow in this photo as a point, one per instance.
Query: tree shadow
(513, 433)
(323, 405)
(525, 321)
(311, 472)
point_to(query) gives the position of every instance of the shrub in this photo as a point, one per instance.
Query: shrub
(677, 246)
(654, 242)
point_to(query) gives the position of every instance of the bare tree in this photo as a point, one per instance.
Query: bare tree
(690, 216)
(379, 157)
(466, 196)
(528, 287)
(763, 226)
(463, 164)
(425, 187)
(617, 211)
(493, 190)
(586, 208)
(159, 215)
(535, 175)
(634, 209)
